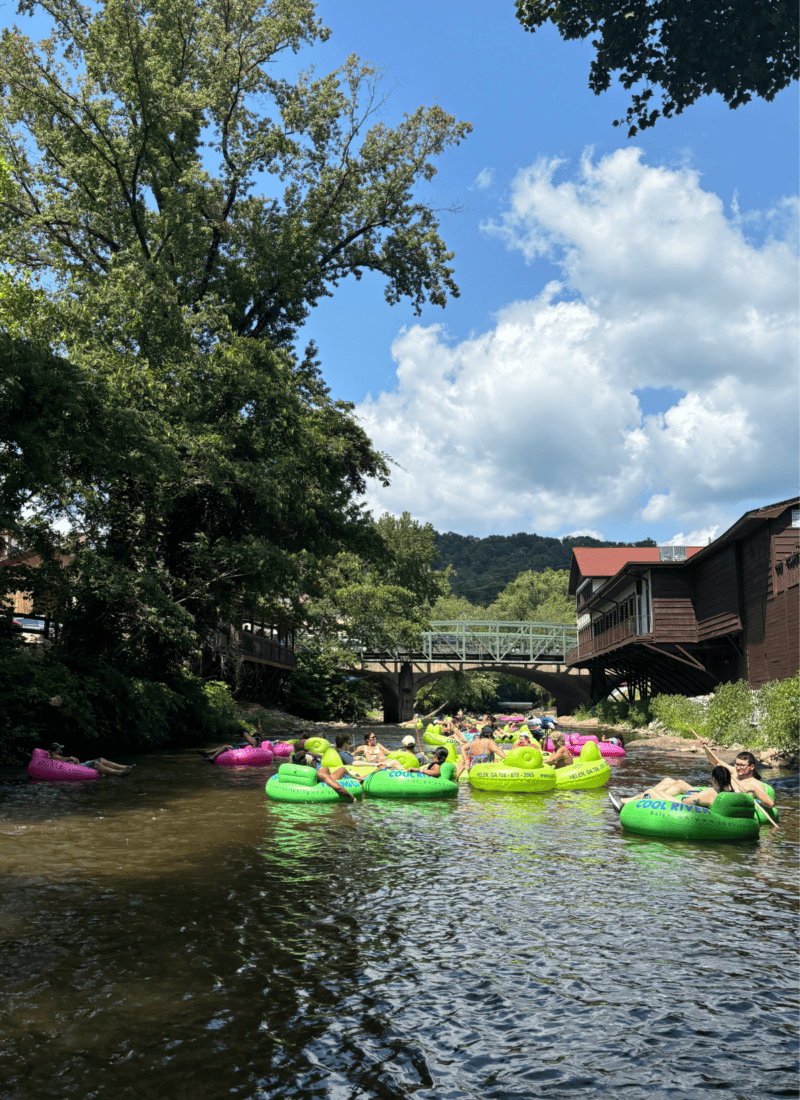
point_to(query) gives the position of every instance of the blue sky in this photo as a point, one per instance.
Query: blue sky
(622, 359)
(527, 99)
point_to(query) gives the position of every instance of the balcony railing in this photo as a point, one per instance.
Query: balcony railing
(614, 636)
(264, 649)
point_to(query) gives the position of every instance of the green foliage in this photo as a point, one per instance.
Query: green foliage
(452, 607)
(92, 707)
(531, 596)
(679, 714)
(483, 567)
(728, 714)
(319, 689)
(219, 698)
(581, 713)
(186, 207)
(459, 690)
(535, 597)
(639, 714)
(612, 712)
(687, 48)
(779, 713)
(381, 601)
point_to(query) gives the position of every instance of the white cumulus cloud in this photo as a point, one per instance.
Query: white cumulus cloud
(534, 424)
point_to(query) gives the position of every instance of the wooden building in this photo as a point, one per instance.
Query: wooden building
(253, 656)
(680, 620)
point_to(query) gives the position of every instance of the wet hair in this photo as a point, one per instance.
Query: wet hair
(749, 759)
(721, 778)
(342, 739)
(440, 754)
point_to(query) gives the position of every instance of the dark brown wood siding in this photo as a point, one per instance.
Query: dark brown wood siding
(771, 601)
(715, 595)
(781, 649)
(673, 611)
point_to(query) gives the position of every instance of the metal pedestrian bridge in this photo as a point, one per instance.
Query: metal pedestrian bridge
(529, 651)
(484, 640)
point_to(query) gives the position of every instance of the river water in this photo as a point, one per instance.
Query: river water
(173, 935)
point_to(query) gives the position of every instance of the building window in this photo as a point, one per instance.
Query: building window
(795, 517)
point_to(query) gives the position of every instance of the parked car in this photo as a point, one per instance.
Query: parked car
(30, 626)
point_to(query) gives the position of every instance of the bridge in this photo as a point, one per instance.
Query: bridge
(531, 651)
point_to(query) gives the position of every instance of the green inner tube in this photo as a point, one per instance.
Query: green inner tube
(407, 759)
(297, 783)
(731, 817)
(589, 771)
(522, 770)
(433, 737)
(317, 744)
(399, 784)
(760, 815)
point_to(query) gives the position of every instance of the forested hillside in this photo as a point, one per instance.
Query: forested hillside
(483, 567)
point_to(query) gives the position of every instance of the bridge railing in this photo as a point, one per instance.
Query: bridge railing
(487, 640)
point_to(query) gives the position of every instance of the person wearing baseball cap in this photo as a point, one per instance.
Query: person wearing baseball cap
(409, 746)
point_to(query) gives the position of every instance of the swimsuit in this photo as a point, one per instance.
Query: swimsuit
(483, 758)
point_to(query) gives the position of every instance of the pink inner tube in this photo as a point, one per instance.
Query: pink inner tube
(607, 749)
(581, 739)
(42, 767)
(244, 758)
(575, 744)
(282, 749)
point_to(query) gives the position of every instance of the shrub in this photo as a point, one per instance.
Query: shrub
(611, 712)
(728, 716)
(91, 707)
(318, 689)
(779, 714)
(639, 713)
(679, 714)
(581, 713)
(729, 712)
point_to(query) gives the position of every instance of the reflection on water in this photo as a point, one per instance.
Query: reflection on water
(175, 935)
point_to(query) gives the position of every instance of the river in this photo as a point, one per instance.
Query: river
(173, 935)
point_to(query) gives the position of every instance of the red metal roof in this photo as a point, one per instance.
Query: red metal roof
(596, 561)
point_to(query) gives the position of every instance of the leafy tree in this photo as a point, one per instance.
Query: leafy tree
(452, 607)
(687, 48)
(535, 597)
(458, 691)
(186, 208)
(319, 688)
(380, 602)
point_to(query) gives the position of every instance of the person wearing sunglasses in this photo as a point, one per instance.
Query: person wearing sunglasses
(372, 751)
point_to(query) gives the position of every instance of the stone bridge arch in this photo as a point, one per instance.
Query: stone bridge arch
(399, 681)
